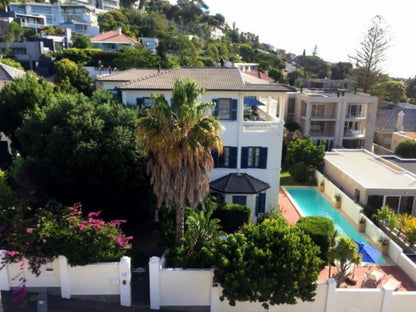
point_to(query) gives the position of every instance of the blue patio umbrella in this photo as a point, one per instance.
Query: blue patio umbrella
(252, 101)
(369, 253)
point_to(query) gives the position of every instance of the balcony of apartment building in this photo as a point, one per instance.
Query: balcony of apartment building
(257, 118)
(322, 129)
(356, 112)
(354, 129)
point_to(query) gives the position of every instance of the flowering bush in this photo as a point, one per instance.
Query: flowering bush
(39, 237)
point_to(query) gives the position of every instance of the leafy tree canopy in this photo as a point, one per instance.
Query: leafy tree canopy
(271, 263)
(22, 96)
(82, 149)
(82, 42)
(69, 75)
(12, 63)
(406, 149)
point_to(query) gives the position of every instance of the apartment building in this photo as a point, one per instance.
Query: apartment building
(341, 118)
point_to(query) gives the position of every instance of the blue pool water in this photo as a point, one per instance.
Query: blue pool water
(311, 203)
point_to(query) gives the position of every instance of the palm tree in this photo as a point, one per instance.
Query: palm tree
(346, 254)
(178, 141)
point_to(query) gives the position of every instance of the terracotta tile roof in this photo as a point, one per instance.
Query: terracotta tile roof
(129, 75)
(8, 73)
(210, 78)
(114, 37)
(235, 183)
(259, 75)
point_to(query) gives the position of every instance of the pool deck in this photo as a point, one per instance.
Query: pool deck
(290, 213)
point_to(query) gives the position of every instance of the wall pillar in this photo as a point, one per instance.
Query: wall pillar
(154, 282)
(388, 294)
(64, 278)
(330, 297)
(215, 298)
(4, 275)
(125, 281)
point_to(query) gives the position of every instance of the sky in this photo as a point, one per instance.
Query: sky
(335, 27)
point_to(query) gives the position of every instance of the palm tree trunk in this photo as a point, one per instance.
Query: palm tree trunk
(180, 224)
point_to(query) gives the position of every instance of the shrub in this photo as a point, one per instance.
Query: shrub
(406, 149)
(233, 217)
(197, 248)
(41, 236)
(320, 229)
(271, 263)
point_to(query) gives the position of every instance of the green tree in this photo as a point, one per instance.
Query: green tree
(303, 157)
(12, 63)
(345, 253)
(411, 88)
(178, 141)
(13, 33)
(6, 193)
(395, 90)
(369, 58)
(83, 149)
(313, 66)
(82, 42)
(340, 70)
(406, 149)
(134, 58)
(272, 263)
(70, 75)
(22, 96)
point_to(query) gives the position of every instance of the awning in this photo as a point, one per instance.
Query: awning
(252, 101)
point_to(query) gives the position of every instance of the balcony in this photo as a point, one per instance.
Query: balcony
(325, 134)
(31, 25)
(353, 133)
(262, 122)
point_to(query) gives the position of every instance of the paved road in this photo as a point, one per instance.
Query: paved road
(57, 304)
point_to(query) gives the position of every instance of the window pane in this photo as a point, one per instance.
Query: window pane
(224, 158)
(393, 202)
(224, 108)
(406, 204)
(242, 200)
(253, 156)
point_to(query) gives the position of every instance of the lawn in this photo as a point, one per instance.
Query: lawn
(286, 179)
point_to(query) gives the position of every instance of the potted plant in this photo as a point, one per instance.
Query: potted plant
(361, 224)
(384, 244)
(322, 186)
(338, 200)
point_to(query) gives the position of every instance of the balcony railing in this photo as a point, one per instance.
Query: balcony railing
(31, 25)
(264, 126)
(352, 133)
(322, 134)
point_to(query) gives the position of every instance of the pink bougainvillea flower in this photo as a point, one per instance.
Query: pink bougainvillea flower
(11, 253)
(94, 214)
(29, 230)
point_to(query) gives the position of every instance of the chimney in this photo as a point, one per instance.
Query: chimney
(119, 30)
(399, 123)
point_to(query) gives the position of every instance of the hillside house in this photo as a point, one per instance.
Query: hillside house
(248, 170)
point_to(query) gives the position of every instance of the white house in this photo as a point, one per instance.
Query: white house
(248, 170)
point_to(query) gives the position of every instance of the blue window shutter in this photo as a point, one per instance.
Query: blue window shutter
(139, 101)
(244, 157)
(119, 94)
(261, 203)
(217, 109)
(233, 157)
(263, 158)
(215, 157)
(234, 104)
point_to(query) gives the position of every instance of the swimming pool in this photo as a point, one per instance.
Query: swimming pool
(311, 203)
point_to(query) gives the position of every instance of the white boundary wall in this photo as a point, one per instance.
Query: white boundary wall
(191, 288)
(352, 210)
(107, 278)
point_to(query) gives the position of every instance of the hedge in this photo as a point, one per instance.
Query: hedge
(321, 230)
(232, 216)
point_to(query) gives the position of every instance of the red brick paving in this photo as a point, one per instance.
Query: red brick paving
(391, 271)
(287, 209)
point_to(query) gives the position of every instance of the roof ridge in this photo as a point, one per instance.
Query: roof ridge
(118, 72)
(123, 84)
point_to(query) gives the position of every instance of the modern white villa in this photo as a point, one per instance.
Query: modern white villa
(248, 170)
(341, 118)
(373, 180)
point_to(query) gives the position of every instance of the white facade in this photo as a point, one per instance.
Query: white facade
(243, 133)
(79, 17)
(342, 119)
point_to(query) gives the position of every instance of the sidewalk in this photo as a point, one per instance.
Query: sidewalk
(57, 304)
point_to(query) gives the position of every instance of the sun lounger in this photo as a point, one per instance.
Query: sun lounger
(392, 284)
(374, 277)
